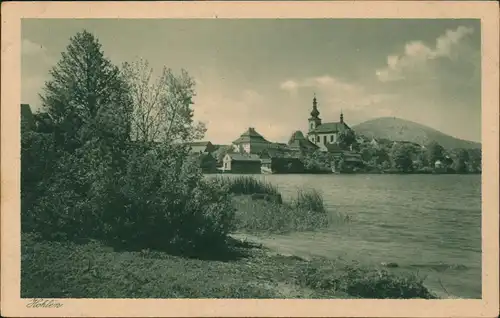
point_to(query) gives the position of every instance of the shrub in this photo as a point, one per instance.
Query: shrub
(38, 158)
(156, 198)
(167, 203)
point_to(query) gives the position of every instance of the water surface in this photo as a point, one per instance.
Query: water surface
(427, 223)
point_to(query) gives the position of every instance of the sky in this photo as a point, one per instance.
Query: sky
(263, 73)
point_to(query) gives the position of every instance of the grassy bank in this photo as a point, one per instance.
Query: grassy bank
(92, 270)
(235, 269)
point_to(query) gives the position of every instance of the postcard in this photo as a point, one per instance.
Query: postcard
(226, 159)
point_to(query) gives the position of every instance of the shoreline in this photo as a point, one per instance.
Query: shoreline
(94, 270)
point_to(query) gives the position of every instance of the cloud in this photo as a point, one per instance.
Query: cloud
(30, 48)
(416, 54)
(338, 94)
(228, 115)
(289, 85)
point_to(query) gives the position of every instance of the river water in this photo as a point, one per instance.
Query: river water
(425, 223)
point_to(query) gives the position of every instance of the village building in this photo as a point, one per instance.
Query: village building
(322, 134)
(241, 163)
(300, 144)
(254, 143)
(250, 142)
(202, 147)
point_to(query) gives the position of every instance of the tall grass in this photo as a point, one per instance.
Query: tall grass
(309, 199)
(248, 185)
(271, 217)
(305, 211)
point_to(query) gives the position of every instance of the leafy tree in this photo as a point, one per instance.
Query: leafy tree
(460, 160)
(475, 160)
(401, 155)
(435, 152)
(346, 138)
(162, 107)
(87, 96)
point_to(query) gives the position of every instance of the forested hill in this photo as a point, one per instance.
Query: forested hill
(404, 130)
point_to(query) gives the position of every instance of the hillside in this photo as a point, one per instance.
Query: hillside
(404, 130)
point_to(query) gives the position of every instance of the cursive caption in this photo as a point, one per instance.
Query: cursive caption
(43, 303)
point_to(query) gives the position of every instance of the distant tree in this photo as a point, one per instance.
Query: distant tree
(162, 107)
(87, 97)
(460, 160)
(475, 160)
(346, 138)
(367, 153)
(435, 152)
(401, 155)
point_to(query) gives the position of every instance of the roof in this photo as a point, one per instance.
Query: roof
(201, 146)
(27, 115)
(250, 135)
(349, 156)
(199, 143)
(243, 157)
(298, 141)
(333, 147)
(331, 127)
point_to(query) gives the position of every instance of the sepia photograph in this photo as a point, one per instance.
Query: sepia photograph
(255, 158)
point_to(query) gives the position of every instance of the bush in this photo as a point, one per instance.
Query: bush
(38, 158)
(153, 199)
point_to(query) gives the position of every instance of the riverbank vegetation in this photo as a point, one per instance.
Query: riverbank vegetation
(113, 204)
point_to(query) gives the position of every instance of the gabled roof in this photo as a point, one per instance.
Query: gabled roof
(243, 157)
(250, 135)
(201, 146)
(349, 156)
(298, 141)
(331, 127)
(200, 143)
(27, 116)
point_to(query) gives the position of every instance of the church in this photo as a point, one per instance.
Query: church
(324, 135)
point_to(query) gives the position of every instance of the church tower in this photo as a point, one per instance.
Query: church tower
(314, 120)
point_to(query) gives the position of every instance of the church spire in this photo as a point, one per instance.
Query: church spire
(341, 117)
(315, 112)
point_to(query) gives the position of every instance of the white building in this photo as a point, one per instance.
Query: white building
(323, 134)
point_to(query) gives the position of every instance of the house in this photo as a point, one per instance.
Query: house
(350, 160)
(251, 142)
(241, 163)
(281, 162)
(207, 162)
(202, 147)
(322, 134)
(27, 118)
(300, 144)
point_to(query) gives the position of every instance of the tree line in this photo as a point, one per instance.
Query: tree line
(395, 156)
